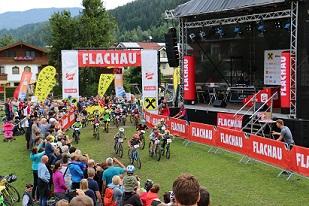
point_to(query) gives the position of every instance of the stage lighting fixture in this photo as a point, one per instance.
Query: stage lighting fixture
(278, 25)
(202, 34)
(192, 36)
(237, 31)
(220, 32)
(261, 28)
(248, 27)
(287, 26)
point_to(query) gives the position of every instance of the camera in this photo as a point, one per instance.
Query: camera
(71, 194)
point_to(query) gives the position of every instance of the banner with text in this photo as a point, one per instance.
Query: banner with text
(70, 76)
(299, 157)
(178, 127)
(104, 83)
(24, 84)
(155, 119)
(229, 121)
(202, 133)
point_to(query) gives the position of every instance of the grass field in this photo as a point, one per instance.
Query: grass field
(229, 182)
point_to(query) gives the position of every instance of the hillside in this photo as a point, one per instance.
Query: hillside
(18, 19)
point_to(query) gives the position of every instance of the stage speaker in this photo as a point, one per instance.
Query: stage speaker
(219, 103)
(171, 47)
(301, 132)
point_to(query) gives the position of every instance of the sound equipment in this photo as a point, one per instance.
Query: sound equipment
(219, 103)
(301, 132)
(172, 48)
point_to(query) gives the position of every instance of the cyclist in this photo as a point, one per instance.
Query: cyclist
(142, 126)
(95, 121)
(84, 113)
(118, 113)
(77, 124)
(154, 135)
(96, 112)
(107, 115)
(120, 134)
(134, 141)
(162, 126)
(165, 136)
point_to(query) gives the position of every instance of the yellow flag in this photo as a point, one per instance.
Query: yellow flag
(176, 78)
(45, 83)
(105, 81)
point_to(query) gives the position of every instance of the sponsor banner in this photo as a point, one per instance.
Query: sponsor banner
(149, 62)
(232, 140)
(46, 82)
(23, 85)
(267, 150)
(299, 157)
(189, 78)
(148, 118)
(202, 133)
(155, 119)
(119, 85)
(176, 78)
(104, 82)
(104, 58)
(67, 120)
(229, 121)
(272, 67)
(178, 127)
(16, 91)
(285, 79)
(70, 76)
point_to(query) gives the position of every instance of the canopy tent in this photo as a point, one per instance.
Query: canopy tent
(199, 7)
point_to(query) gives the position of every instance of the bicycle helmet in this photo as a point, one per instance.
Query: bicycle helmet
(172, 195)
(130, 169)
(77, 119)
(96, 109)
(148, 184)
(121, 129)
(118, 106)
(143, 121)
(136, 136)
(105, 107)
(11, 178)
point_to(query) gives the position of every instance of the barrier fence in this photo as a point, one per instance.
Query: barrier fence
(67, 120)
(252, 146)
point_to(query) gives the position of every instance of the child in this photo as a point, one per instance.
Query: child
(132, 142)
(27, 199)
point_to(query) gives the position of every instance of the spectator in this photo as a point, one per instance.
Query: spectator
(92, 184)
(81, 200)
(182, 114)
(129, 196)
(59, 183)
(43, 181)
(27, 199)
(117, 197)
(34, 128)
(186, 189)
(111, 171)
(285, 133)
(44, 126)
(76, 172)
(165, 110)
(153, 195)
(65, 171)
(146, 188)
(84, 187)
(204, 197)
(62, 203)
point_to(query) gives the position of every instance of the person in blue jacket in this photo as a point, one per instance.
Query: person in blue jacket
(76, 172)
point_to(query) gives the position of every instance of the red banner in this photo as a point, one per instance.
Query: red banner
(232, 140)
(268, 150)
(300, 160)
(102, 58)
(202, 133)
(189, 78)
(178, 127)
(285, 79)
(229, 121)
(147, 117)
(155, 119)
(16, 92)
(67, 120)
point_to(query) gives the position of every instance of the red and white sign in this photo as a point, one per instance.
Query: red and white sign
(70, 77)
(150, 88)
(101, 58)
(178, 127)
(299, 157)
(155, 119)
(147, 117)
(229, 121)
(202, 133)
(149, 76)
(285, 79)
(67, 120)
(189, 78)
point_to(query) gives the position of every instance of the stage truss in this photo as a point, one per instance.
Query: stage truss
(291, 13)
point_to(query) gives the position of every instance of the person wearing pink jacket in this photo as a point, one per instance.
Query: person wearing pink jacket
(59, 183)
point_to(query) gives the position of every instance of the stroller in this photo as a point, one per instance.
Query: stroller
(8, 131)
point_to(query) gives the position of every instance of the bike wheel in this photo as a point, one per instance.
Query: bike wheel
(7, 198)
(75, 138)
(138, 161)
(168, 152)
(120, 150)
(106, 127)
(117, 148)
(13, 192)
(98, 135)
(143, 142)
(158, 152)
(149, 149)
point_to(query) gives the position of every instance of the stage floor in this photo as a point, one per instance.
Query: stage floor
(233, 108)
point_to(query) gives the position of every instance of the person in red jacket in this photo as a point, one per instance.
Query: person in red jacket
(165, 110)
(153, 194)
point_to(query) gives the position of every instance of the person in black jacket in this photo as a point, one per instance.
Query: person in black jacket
(28, 131)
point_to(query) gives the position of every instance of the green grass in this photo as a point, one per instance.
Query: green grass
(229, 182)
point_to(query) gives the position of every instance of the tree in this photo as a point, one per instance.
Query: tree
(6, 40)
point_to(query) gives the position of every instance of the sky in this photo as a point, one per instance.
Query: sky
(22, 5)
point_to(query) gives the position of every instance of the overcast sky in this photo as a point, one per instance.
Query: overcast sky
(22, 5)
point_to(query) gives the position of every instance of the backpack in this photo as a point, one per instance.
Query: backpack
(108, 198)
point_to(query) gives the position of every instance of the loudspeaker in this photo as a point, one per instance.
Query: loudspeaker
(219, 103)
(172, 48)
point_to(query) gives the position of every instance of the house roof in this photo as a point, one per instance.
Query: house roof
(198, 7)
(22, 43)
(141, 45)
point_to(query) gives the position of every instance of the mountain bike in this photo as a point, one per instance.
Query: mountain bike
(10, 193)
(96, 133)
(76, 134)
(155, 150)
(84, 121)
(168, 148)
(106, 124)
(117, 120)
(142, 138)
(119, 148)
(124, 119)
(135, 156)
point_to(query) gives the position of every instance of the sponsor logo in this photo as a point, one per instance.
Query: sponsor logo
(229, 123)
(283, 88)
(149, 88)
(267, 150)
(70, 90)
(69, 76)
(302, 160)
(264, 97)
(203, 133)
(178, 127)
(231, 140)
(149, 76)
(186, 74)
(109, 58)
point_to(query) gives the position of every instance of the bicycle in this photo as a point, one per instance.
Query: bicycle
(135, 156)
(118, 147)
(76, 134)
(96, 133)
(106, 125)
(156, 149)
(142, 138)
(10, 193)
(117, 120)
(168, 148)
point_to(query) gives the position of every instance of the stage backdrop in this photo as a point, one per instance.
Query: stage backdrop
(272, 67)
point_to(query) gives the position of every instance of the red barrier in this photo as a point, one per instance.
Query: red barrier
(232, 140)
(202, 133)
(178, 127)
(229, 121)
(147, 117)
(155, 119)
(67, 120)
(268, 150)
(299, 157)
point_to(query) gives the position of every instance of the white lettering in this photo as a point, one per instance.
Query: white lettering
(91, 59)
(178, 127)
(186, 75)
(203, 133)
(132, 58)
(302, 160)
(115, 59)
(231, 140)
(229, 123)
(85, 58)
(106, 58)
(123, 59)
(283, 88)
(99, 59)
(267, 150)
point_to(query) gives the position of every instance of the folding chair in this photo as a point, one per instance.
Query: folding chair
(212, 95)
(200, 94)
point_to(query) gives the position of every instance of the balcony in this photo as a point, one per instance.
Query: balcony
(3, 77)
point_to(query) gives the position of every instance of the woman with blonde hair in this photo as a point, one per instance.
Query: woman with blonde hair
(83, 185)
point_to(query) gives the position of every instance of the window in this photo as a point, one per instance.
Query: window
(2, 70)
(30, 53)
(163, 66)
(164, 54)
(27, 69)
(16, 84)
(33, 53)
(15, 70)
(12, 54)
(27, 53)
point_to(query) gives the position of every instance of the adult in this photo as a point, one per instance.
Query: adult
(111, 171)
(92, 184)
(165, 110)
(36, 159)
(81, 200)
(34, 129)
(27, 199)
(7, 109)
(76, 172)
(204, 197)
(84, 187)
(182, 114)
(44, 126)
(152, 195)
(186, 189)
(129, 195)
(43, 181)
(59, 184)
(65, 170)
(115, 185)
(285, 133)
